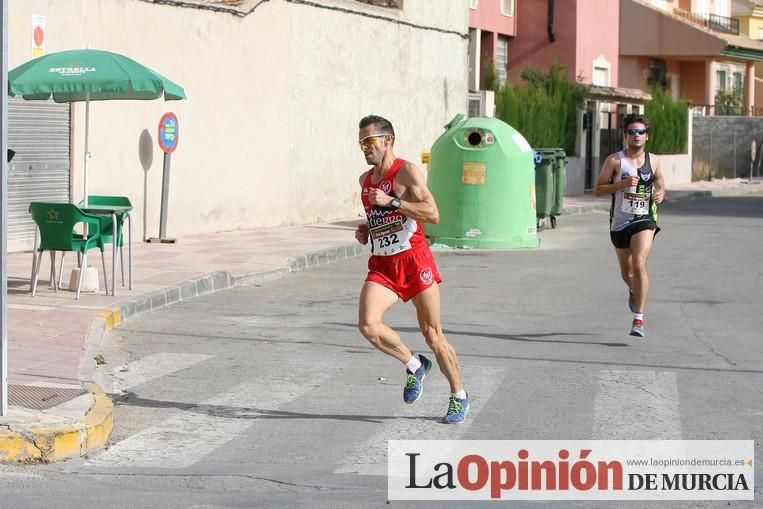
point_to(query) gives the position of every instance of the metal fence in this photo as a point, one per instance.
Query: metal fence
(722, 147)
(709, 110)
(712, 22)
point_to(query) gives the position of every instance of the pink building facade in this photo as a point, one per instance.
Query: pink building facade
(514, 34)
(581, 34)
(492, 27)
(693, 48)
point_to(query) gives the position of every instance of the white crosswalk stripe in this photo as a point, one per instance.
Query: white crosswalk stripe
(370, 456)
(185, 438)
(637, 405)
(628, 405)
(154, 366)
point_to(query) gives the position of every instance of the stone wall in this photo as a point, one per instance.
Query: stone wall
(721, 146)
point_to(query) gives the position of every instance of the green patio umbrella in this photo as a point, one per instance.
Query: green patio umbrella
(89, 75)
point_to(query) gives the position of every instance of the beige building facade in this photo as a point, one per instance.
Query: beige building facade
(268, 135)
(693, 48)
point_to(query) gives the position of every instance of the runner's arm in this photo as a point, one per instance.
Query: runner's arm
(603, 185)
(418, 202)
(659, 180)
(361, 231)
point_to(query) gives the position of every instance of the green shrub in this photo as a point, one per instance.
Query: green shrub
(728, 103)
(544, 108)
(491, 76)
(668, 123)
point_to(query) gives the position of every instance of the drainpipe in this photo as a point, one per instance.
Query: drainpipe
(550, 25)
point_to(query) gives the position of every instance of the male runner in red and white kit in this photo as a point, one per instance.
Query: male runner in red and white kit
(397, 201)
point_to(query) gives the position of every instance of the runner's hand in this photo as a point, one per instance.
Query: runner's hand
(361, 233)
(659, 195)
(379, 197)
(628, 182)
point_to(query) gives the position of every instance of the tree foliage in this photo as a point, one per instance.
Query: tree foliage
(543, 108)
(668, 123)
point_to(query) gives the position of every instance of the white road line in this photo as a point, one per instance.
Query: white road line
(10, 475)
(370, 456)
(185, 438)
(154, 366)
(637, 405)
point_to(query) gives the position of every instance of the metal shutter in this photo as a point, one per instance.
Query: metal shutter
(40, 171)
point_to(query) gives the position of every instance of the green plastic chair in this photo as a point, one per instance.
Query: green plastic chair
(56, 222)
(107, 233)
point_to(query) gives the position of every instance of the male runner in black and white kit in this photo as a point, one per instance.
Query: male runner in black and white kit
(633, 178)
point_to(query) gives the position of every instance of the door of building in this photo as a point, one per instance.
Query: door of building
(39, 133)
(589, 159)
(611, 137)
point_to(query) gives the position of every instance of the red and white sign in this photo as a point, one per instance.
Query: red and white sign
(38, 35)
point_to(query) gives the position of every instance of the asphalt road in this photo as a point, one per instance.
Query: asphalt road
(267, 396)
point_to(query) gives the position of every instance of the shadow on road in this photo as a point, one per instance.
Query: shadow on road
(530, 338)
(236, 412)
(728, 206)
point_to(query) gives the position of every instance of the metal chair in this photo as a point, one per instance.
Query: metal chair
(95, 201)
(56, 223)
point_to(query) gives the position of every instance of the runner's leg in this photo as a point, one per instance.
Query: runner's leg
(626, 265)
(428, 313)
(375, 300)
(641, 245)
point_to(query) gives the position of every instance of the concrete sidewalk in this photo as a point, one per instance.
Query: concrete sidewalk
(57, 409)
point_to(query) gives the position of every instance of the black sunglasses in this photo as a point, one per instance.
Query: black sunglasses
(635, 131)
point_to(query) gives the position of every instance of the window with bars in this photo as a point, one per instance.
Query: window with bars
(720, 80)
(737, 78)
(502, 58)
(657, 75)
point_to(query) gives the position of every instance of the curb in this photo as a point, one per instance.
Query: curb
(44, 445)
(672, 196)
(111, 317)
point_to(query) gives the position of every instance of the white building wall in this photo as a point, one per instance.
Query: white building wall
(413, 77)
(268, 133)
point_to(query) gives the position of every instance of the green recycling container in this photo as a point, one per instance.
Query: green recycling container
(545, 162)
(560, 182)
(481, 175)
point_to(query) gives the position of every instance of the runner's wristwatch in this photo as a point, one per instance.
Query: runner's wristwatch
(395, 203)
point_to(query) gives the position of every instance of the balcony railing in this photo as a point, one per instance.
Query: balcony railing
(709, 110)
(712, 22)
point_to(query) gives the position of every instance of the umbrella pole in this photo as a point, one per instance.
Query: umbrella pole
(87, 136)
(83, 268)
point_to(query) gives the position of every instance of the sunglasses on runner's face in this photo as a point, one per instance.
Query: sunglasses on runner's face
(369, 140)
(635, 131)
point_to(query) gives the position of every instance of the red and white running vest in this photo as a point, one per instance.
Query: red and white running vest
(391, 231)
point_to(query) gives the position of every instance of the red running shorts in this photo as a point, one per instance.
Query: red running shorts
(407, 274)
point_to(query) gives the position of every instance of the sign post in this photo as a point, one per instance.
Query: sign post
(168, 140)
(753, 153)
(4, 216)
